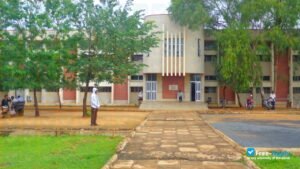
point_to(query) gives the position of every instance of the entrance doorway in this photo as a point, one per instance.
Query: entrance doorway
(195, 87)
(151, 87)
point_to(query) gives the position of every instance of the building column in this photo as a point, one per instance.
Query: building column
(184, 50)
(168, 54)
(112, 93)
(144, 87)
(26, 94)
(43, 96)
(163, 50)
(128, 90)
(78, 96)
(202, 92)
(272, 68)
(172, 53)
(291, 66)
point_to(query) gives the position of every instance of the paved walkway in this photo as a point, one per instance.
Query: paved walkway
(177, 141)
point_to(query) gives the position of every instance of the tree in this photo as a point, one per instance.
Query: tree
(108, 35)
(31, 63)
(238, 61)
(279, 20)
(59, 40)
(238, 64)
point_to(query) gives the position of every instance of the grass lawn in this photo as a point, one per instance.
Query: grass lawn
(64, 152)
(293, 163)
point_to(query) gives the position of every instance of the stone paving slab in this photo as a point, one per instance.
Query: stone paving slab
(184, 142)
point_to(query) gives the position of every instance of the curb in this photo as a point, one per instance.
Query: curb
(122, 145)
(235, 145)
(230, 112)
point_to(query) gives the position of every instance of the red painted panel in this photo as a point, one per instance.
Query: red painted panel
(69, 94)
(121, 91)
(282, 78)
(172, 80)
(229, 94)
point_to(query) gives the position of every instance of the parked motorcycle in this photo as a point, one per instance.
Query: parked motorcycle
(268, 103)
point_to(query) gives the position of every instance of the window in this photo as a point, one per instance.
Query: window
(296, 58)
(37, 90)
(137, 58)
(100, 89)
(90, 89)
(136, 89)
(210, 58)
(296, 78)
(210, 45)
(210, 77)
(266, 78)
(267, 90)
(173, 44)
(210, 89)
(151, 77)
(296, 90)
(52, 90)
(104, 89)
(137, 77)
(264, 58)
(195, 77)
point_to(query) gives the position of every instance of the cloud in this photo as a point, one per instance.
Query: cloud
(150, 6)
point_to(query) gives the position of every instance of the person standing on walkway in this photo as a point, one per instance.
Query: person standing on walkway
(140, 97)
(180, 96)
(95, 105)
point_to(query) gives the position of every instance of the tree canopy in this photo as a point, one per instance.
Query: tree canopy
(55, 44)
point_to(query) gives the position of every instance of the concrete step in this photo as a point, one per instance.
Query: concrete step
(173, 105)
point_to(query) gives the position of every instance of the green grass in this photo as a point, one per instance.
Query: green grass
(293, 163)
(64, 152)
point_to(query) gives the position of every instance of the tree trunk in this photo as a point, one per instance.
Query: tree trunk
(36, 108)
(84, 106)
(239, 100)
(59, 101)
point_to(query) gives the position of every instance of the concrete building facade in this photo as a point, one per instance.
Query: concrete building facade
(184, 60)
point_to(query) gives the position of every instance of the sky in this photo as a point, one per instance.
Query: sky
(150, 6)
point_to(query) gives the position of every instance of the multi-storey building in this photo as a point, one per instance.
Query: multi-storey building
(185, 60)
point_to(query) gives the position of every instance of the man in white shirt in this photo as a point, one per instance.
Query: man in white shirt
(95, 105)
(273, 97)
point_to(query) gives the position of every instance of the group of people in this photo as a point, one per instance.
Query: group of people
(8, 105)
(268, 103)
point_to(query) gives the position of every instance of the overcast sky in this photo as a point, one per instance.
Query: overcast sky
(150, 6)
